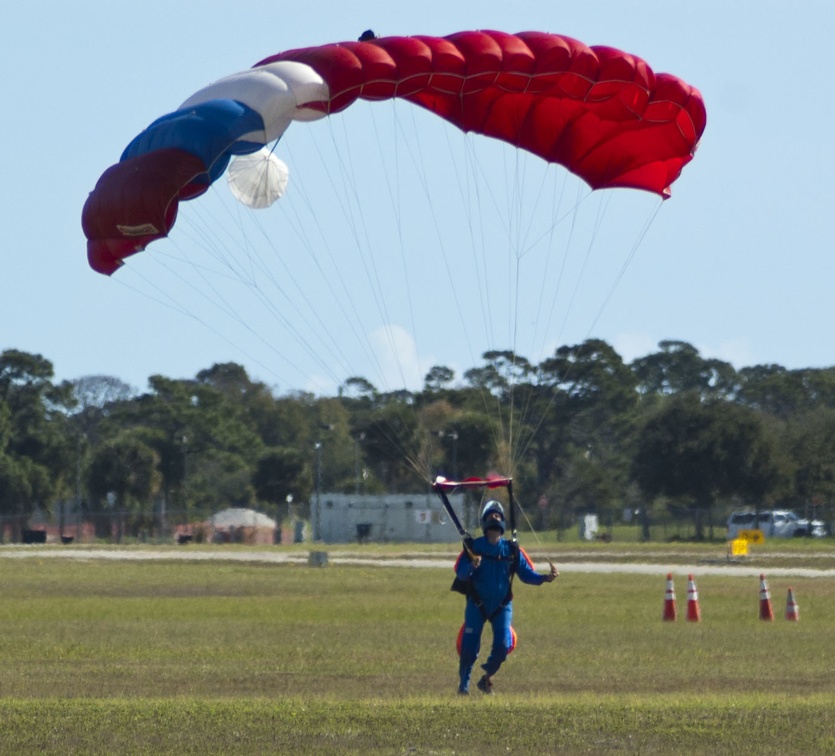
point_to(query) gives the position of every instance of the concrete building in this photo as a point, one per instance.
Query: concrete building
(416, 518)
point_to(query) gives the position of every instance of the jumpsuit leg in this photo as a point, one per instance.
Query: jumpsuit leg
(502, 641)
(470, 643)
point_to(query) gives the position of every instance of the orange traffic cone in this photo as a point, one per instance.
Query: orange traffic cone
(792, 609)
(670, 600)
(694, 613)
(766, 610)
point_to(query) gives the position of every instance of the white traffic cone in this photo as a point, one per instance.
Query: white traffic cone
(792, 609)
(694, 613)
(766, 610)
(670, 601)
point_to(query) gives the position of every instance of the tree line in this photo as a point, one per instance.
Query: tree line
(670, 433)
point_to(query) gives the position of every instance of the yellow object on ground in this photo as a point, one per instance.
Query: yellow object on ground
(738, 547)
(755, 536)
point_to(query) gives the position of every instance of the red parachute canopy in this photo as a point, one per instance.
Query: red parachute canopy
(600, 112)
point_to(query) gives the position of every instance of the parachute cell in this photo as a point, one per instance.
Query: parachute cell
(601, 113)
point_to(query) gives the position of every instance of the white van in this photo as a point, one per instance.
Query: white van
(774, 523)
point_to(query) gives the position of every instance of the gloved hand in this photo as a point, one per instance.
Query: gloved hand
(553, 574)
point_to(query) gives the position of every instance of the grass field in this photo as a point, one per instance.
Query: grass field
(208, 657)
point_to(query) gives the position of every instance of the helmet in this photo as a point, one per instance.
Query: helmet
(492, 507)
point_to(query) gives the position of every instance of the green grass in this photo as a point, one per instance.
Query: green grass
(220, 657)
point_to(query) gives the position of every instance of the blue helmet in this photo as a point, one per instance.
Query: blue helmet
(490, 508)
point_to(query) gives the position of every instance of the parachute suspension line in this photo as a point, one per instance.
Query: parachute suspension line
(394, 195)
(647, 224)
(513, 256)
(341, 295)
(242, 275)
(558, 216)
(159, 296)
(419, 166)
(514, 282)
(469, 192)
(568, 310)
(550, 293)
(343, 298)
(530, 525)
(166, 300)
(206, 242)
(509, 463)
(503, 213)
(527, 245)
(516, 229)
(414, 152)
(534, 347)
(413, 145)
(343, 176)
(423, 463)
(312, 313)
(473, 203)
(629, 258)
(584, 264)
(401, 140)
(215, 246)
(360, 233)
(517, 253)
(471, 199)
(369, 260)
(518, 232)
(260, 273)
(571, 301)
(348, 192)
(419, 461)
(547, 292)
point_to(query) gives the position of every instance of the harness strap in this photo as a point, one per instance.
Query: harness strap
(468, 588)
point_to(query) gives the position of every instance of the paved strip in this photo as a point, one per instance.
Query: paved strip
(279, 557)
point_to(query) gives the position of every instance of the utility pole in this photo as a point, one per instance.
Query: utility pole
(357, 440)
(318, 517)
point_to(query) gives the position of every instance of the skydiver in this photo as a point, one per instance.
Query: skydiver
(489, 571)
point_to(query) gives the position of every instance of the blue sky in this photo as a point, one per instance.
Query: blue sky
(739, 262)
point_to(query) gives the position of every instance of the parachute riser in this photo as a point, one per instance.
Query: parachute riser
(512, 517)
(441, 484)
(466, 538)
(512, 514)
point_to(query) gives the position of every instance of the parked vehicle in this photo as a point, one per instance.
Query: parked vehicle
(818, 528)
(774, 523)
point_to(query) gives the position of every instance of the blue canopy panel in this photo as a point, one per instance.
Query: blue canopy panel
(212, 131)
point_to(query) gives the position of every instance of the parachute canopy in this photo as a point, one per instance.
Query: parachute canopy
(599, 112)
(259, 179)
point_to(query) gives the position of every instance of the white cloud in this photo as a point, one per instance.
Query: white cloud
(321, 385)
(736, 351)
(634, 344)
(398, 364)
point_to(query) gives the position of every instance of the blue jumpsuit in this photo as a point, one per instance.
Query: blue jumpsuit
(492, 581)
